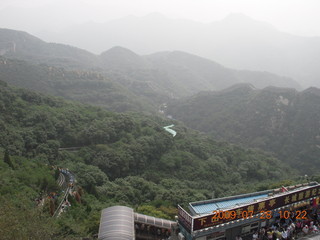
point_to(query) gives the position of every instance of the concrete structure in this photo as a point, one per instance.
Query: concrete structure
(225, 218)
(117, 224)
(122, 223)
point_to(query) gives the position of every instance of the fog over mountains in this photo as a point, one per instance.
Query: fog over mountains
(157, 77)
(237, 42)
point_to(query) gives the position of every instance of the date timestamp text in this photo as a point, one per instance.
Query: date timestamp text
(231, 215)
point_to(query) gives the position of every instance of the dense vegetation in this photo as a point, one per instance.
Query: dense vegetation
(278, 120)
(85, 86)
(121, 159)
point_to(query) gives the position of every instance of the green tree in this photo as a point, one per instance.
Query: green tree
(7, 159)
(20, 220)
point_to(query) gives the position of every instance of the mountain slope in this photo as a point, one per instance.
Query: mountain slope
(126, 159)
(215, 76)
(279, 120)
(23, 46)
(178, 74)
(81, 85)
(123, 145)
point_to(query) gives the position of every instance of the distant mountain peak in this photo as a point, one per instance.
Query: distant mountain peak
(239, 87)
(275, 89)
(156, 15)
(312, 90)
(237, 16)
(11, 35)
(119, 50)
(242, 19)
(182, 56)
(119, 57)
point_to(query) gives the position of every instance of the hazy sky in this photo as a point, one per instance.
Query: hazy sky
(295, 16)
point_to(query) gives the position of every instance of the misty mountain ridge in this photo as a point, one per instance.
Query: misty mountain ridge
(120, 57)
(243, 21)
(152, 23)
(237, 41)
(155, 77)
(21, 45)
(184, 74)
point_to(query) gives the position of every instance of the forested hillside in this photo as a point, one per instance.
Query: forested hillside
(85, 86)
(278, 120)
(121, 159)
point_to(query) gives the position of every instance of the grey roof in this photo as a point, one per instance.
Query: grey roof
(117, 223)
(158, 222)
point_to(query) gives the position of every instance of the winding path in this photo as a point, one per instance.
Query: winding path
(64, 174)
